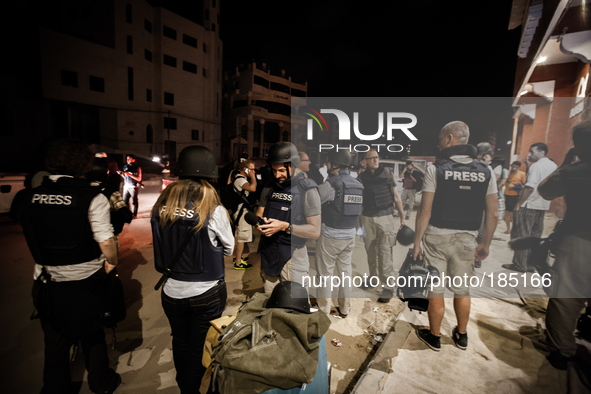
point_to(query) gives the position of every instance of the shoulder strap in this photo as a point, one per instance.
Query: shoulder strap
(176, 258)
(389, 177)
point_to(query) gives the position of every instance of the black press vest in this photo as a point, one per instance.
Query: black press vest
(285, 202)
(460, 197)
(377, 195)
(55, 222)
(342, 212)
(201, 261)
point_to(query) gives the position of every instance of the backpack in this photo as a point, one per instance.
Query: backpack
(260, 337)
(420, 178)
(231, 198)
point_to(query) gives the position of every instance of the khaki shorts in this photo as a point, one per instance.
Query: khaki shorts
(452, 254)
(243, 229)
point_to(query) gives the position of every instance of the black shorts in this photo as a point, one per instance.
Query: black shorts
(510, 202)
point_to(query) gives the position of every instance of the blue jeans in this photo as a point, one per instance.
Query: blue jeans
(189, 321)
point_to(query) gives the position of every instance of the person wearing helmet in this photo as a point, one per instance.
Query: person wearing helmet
(379, 198)
(290, 205)
(456, 192)
(195, 292)
(341, 197)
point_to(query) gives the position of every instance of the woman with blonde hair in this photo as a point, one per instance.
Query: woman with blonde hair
(189, 219)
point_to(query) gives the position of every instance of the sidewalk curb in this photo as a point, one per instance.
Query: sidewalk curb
(376, 374)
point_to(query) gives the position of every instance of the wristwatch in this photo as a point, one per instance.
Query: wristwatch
(289, 229)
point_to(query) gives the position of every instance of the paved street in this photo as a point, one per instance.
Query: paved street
(142, 354)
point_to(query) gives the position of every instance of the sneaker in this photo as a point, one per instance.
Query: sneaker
(407, 216)
(477, 264)
(434, 342)
(461, 340)
(243, 265)
(341, 314)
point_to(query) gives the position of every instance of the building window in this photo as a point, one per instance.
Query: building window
(169, 60)
(191, 41)
(285, 135)
(257, 131)
(148, 55)
(279, 87)
(168, 98)
(213, 27)
(168, 32)
(204, 72)
(204, 48)
(195, 135)
(97, 84)
(206, 14)
(149, 95)
(244, 132)
(169, 123)
(261, 81)
(128, 13)
(148, 25)
(129, 45)
(70, 78)
(255, 151)
(213, 3)
(190, 67)
(149, 134)
(130, 83)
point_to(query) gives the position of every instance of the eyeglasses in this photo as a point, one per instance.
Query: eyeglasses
(373, 158)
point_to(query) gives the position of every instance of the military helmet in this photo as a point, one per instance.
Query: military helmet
(405, 236)
(284, 152)
(196, 161)
(289, 295)
(340, 158)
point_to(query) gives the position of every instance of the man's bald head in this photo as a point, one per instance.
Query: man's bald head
(453, 133)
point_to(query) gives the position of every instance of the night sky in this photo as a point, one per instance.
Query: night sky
(386, 49)
(379, 49)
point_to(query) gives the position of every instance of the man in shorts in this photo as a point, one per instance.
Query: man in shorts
(456, 192)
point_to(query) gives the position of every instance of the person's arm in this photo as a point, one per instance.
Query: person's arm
(109, 249)
(398, 203)
(551, 187)
(260, 211)
(503, 182)
(99, 218)
(490, 224)
(527, 191)
(423, 217)
(220, 225)
(251, 185)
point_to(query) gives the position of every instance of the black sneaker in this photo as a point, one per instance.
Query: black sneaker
(434, 342)
(461, 340)
(243, 265)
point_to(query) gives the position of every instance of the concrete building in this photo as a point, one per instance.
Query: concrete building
(552, 87)
(131, 76)
(257, 109)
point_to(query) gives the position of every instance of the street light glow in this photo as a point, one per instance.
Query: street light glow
(541, 59)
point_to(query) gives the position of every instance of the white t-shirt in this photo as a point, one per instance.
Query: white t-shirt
(430, 185)
(538, 171)
(239, 182)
